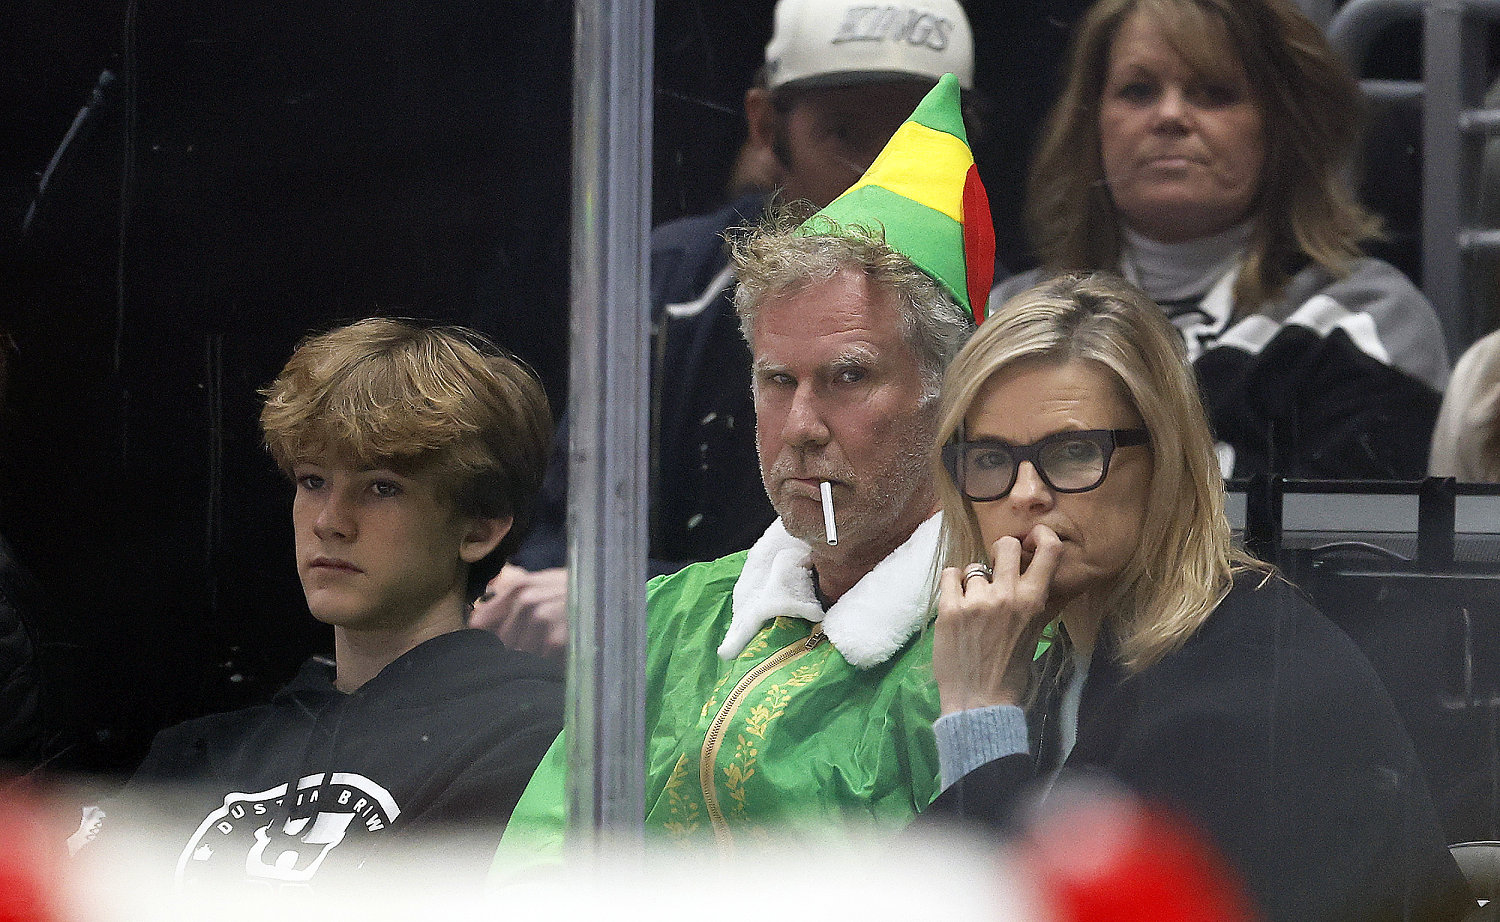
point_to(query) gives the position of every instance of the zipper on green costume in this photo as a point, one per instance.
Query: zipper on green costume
(716, 729)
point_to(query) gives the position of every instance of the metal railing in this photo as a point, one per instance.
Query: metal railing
(1454, 129)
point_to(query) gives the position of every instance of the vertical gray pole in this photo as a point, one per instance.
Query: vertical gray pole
(1447, 164)
(608, 409)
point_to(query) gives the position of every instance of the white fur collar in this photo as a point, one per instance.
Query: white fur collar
(868, 624)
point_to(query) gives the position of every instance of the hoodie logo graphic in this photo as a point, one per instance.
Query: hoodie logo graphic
(263, 837)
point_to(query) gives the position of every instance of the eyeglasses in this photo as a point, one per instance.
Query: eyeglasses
(1067, 462)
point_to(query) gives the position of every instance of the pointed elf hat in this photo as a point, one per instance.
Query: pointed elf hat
(924, 191)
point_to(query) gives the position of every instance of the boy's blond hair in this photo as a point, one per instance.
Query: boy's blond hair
(438, 402)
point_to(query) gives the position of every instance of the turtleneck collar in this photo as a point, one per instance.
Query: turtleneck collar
(1171, 272)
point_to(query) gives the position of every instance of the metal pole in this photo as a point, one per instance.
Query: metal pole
(608, 410)
(1446, 173)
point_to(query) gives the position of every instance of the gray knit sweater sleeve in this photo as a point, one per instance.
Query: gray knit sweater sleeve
(969, 739)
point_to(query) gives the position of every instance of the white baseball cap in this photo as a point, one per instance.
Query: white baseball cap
(843, 42)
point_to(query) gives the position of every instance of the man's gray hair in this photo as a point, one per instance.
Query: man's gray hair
(772, 260)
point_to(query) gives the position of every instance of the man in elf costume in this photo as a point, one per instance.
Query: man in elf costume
(839, 77)
(791, 685)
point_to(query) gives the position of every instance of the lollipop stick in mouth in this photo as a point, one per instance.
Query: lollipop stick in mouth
(830, 527)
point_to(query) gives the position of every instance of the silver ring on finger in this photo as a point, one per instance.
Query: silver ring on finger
(977, 569)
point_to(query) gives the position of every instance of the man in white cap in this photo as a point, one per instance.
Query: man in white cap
(839, 77)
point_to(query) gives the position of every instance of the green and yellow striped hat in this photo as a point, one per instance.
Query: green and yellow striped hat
(924, 191)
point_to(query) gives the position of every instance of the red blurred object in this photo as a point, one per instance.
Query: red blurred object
(1103, 856)
(28, 859)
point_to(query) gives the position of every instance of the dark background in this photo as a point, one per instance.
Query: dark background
(256, 171)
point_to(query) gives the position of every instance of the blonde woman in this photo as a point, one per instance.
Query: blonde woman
(1080, 490)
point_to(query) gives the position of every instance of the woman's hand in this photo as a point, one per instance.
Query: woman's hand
(987, 629)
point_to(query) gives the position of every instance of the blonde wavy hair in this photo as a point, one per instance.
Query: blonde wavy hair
(1185, 559)
(1311, 109)
(439, 402)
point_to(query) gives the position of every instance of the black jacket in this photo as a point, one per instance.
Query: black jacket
(1269, 730)
(444, 739)
(1335, 377)
(706, 496)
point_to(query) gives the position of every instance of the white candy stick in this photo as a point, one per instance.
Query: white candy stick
(830, 527)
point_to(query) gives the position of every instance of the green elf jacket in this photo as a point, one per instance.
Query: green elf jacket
(766, 714)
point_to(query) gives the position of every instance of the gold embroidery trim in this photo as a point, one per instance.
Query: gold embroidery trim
(682, 811)
(715, 736)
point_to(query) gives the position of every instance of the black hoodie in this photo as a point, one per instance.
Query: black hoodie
(443, 740)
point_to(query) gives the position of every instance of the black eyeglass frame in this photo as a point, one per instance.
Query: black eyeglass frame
(1107, 440)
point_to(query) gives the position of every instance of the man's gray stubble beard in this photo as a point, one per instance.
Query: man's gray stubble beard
(887, 495)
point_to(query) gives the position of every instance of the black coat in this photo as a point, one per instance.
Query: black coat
(1269, 730)
(444, 739)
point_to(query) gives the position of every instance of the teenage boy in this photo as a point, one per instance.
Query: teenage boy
(416, 454)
